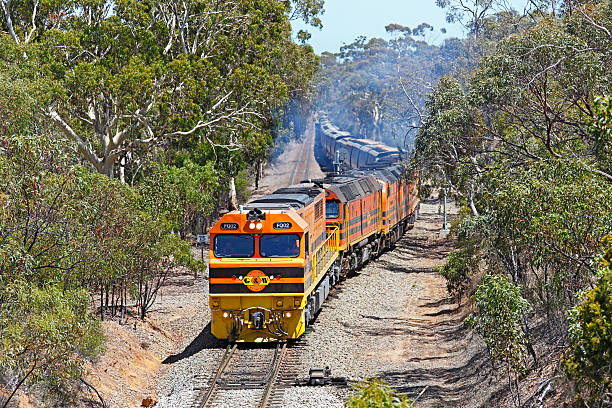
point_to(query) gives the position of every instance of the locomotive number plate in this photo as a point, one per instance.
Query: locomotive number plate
(229, 226)
(256, 280)
(282, 225)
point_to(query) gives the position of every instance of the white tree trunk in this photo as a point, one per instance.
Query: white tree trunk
(233, 200)
(122, 170)
(471, 201)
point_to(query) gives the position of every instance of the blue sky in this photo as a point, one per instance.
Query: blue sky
(345, 20)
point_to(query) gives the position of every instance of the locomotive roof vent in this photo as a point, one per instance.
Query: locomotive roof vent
(255, 215)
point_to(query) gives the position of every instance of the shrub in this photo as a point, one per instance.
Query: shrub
(457, 271)
(46, 335)
(498, 321)
(375, 393)
(589, 361)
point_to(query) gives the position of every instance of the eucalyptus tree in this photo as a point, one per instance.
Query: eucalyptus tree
(470, 13)
(377, 88)
(125, 74)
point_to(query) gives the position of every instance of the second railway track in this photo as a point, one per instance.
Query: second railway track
(302, 164)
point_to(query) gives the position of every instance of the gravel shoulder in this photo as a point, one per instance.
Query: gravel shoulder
(278, 173)
(395, 320)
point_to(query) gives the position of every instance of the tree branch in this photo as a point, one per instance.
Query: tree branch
(6, 8)
(68, 131)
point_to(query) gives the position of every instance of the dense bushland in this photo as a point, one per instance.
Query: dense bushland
(524, 143)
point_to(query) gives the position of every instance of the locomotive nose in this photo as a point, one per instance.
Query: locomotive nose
(258, 320)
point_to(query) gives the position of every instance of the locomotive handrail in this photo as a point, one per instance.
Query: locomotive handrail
(323, 258)
(333, 238)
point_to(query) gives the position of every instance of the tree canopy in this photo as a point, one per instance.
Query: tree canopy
(122, 126)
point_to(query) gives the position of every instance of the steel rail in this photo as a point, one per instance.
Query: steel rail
(302, 163)
(229, 352)
(279, 356)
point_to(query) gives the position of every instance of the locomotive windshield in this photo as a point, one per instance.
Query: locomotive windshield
(279, 245)
(234, 246)
(332, 209)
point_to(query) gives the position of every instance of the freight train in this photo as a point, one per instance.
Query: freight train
(353, 152)
(274, 261)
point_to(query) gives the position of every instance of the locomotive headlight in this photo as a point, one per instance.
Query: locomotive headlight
(225, 314)
(287, 314)
(259, 225)
(240, 278)
(252, 225)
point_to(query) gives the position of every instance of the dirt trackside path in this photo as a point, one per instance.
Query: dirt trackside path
(395, 320)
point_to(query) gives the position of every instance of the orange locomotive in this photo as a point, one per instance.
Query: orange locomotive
(273, 262)
(371, 210)
(269, 264)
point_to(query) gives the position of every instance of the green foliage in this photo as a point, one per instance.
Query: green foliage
(375, 393)
(172, 97)
(364, 88)
(589, 359)
(308, 11)
(524, 143)
(500, 310)
(119, 83)
(242, 187)
(179, 194)
(545, 221)
(46, 333)
(66, 232)
(535, 176)
(458, 270)
(471, 14)
(600, 130)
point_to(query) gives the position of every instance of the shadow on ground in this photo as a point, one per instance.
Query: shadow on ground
(204, 341)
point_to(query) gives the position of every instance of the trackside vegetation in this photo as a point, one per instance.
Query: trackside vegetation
(523, 141)
(589, 359)
(376, 393)
(515, 121)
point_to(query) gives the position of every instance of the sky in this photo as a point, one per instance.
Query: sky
(345, 20)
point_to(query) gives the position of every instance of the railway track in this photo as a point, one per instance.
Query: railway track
(302, 164)
(264, 373)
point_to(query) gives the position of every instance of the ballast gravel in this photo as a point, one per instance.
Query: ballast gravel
(312, 397)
